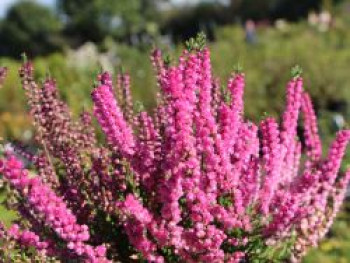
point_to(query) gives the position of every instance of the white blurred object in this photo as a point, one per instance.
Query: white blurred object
(322, 21)
(88, 56)
(325, 20)
(281, 24)
(312, 19)
(27, 135)
(339, 121)
(8, 148)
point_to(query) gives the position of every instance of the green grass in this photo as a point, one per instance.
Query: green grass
(6, 216)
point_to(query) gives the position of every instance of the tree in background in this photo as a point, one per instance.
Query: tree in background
(274, 9)
(186, 22)
(94, 20)
(35, 29)
(29, 27)
(293, 10)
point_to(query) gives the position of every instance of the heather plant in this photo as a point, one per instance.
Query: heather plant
(267, 72)
(193, 181)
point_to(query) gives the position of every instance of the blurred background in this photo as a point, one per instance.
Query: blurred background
(72, 39)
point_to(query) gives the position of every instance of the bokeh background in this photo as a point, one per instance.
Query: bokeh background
(73, 39)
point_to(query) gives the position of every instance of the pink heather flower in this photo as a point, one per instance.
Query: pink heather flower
(47, 205)
(289, 126)
(137, 222)
(27, 239)
(159, 66)
(272, 158)
(111, 119)
(128, 104)
(194, 182)
(290, 116)
(145, 158)
(232, 119)
(312, 139)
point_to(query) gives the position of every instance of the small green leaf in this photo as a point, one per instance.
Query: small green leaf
(238, 68)
(24, 57)
(167, 60)
(139, 107)
(197, 43)
(296, 71)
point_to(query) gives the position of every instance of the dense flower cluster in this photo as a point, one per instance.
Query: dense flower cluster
(194, 182)
(26, 238)
(53, 212)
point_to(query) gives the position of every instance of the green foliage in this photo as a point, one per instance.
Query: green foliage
(257, 247)
(296, 71)
(238, 68)
(168, 253)
(275, 9)
(29, 27)
(6, 216)
(94, 20)
(225, 201)
(196, 43)
(278, 51)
